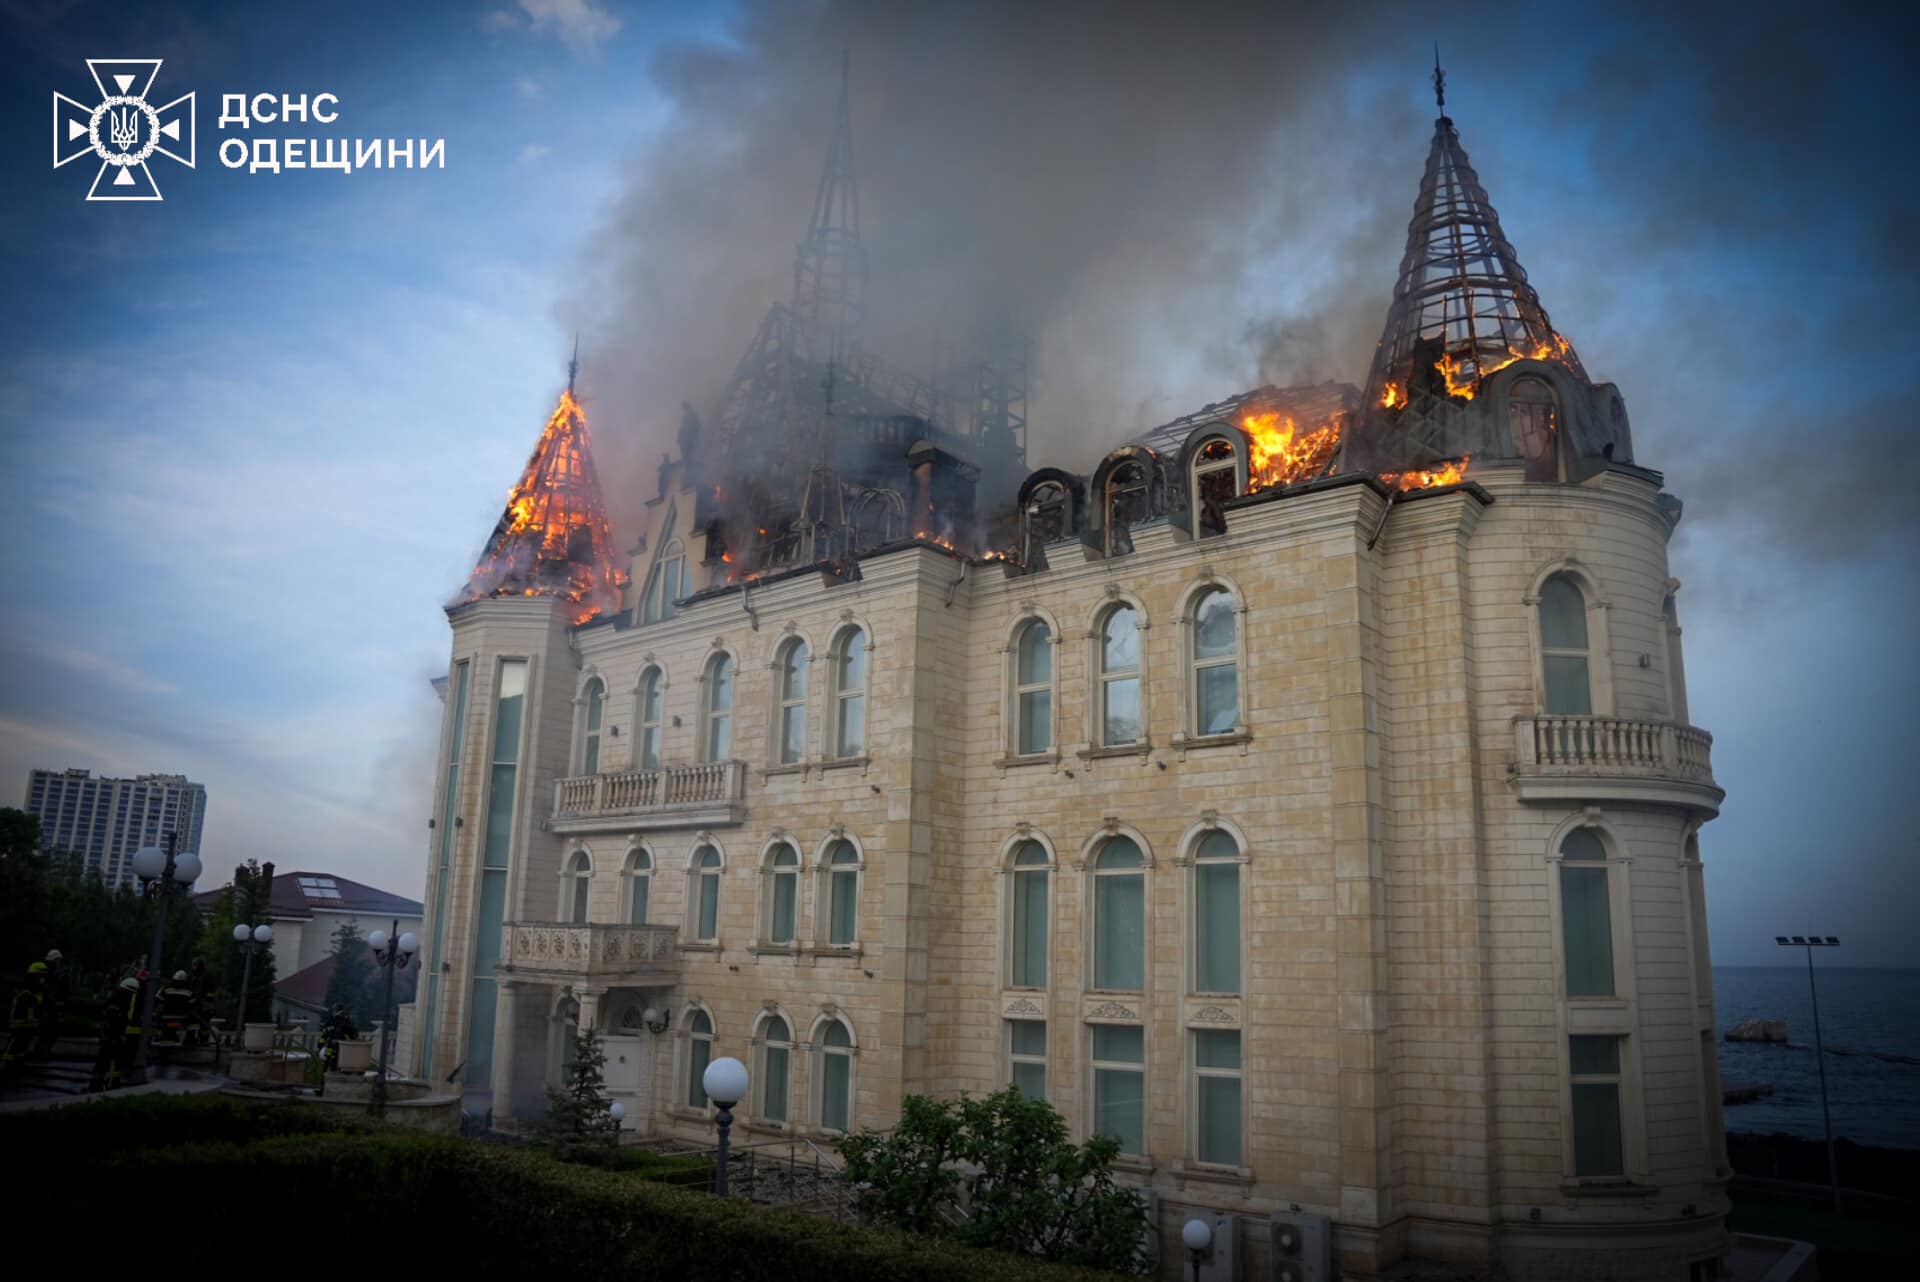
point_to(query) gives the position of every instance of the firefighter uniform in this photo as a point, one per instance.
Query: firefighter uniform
(24, 1019)
(119, 1036)
(176, 1009)
(54, 1004)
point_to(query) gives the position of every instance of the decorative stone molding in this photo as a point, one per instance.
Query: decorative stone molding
(837, 831)
(1024, 1006)
(1213, 1015)
(1110, 825)
(1113, 1011)
(1023, 828)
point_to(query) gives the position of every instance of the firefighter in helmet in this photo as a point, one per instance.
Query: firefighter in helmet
(55, 1004)
(176, 1008)
(23, 1019)
(119, 1035)
(200, 983)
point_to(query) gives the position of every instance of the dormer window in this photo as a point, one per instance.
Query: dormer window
(1534, 416)
(1126, 503)
(1215, 483)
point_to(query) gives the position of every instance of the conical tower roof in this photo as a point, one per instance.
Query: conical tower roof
(553, 538)
(830, 268)
(1462, 298)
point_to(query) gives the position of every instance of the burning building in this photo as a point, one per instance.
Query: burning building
(1303, 793)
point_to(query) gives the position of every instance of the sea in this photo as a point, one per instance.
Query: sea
(1870, 1025)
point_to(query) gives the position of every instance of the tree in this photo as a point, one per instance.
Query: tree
(352, 982)
(580, 1124)
(245, 902)
(1025, 1185)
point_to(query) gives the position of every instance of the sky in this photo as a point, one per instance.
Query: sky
(254, 435)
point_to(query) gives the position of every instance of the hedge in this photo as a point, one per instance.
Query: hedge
(260, 1173)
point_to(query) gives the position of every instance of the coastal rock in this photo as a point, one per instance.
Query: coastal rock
(1759, 1030)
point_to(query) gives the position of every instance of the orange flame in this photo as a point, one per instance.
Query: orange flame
(1467, 386)
(1283, 455)
(1449, 473)
(1393, 396)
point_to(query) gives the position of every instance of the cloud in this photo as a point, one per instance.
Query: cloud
(534, 151)
(581, 25)
(92, 663)
(526, 86)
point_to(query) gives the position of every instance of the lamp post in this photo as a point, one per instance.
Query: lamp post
(615, 1112)
(390, 960)
(725, 1083)
(251, 939)
(157, 870)
(1197, 1235)
(1811, 942)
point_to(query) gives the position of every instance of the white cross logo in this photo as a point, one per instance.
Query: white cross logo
(122, 130)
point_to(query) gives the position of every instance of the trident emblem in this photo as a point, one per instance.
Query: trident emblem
(124, 127)
(122, 130)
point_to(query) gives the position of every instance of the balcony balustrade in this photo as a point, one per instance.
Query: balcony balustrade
(1564, 758)
(610, 953)
(709, 794)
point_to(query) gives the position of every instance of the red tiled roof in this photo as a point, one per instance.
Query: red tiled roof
(299, 894)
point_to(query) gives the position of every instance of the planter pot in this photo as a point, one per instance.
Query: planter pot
(258, 1037)
(356, 1055)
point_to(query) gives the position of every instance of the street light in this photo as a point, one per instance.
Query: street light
(390, 960)
(725, 1083)
(616, 1111)
(251, 939)
(158, 871)
(1197, 1235)
(1811, 942)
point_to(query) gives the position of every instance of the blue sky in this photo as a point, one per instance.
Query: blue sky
(255, 434)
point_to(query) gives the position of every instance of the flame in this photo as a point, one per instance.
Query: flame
(1282, 455)
(1467, 386)
(1393, 396)
(1452, 472)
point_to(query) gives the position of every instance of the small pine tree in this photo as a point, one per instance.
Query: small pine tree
(580, 1124)
(356, 982)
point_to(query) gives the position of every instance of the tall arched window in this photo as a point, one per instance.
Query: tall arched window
(1216, 914)
(792, 722)
(1126, 503)
(1027, 930)
(841, 871)
(579, 887)
(1119, 916)
(1119, 702)
(650, 707)
(639, 874)
(1216, 482)
(596, 694)
(783, 894)
(1533, 415)
(1216, 667)
(1563, 648)
(667, 583)
(836, 1076)
(1049, 514)
(704, 894)
(776, 1068)
(1586, 915)
(699, 1055)
(850, 694)
(719, 710)
(1033, 689)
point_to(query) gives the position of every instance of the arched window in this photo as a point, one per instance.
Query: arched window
(1216, 482)
(1216, 667)
(1126, 503)
(776, 1068)
(1586, 915)
(1119, 701)
(1033, 689)
(841, 872)
(579, 887)
(1216, 914)
(667, 583)
(850, 694)
(699, 1055)
(836, 1076)
(704, 894)
(1119, 916)
(1533, 415)
(792, 721)
(639, 874)
(1027, 929)
(596, 696)
(719, 710)
(1120, 1084)
(1049, 514)
(783, 894)
(1563, 648)
(650, 707)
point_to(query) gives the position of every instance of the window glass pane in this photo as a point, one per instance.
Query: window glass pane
(837, 1035)
(793, 733)
(853, 661)
(650, 748)
(840, 932)
(1120, 1043)
(1593, 1056)
(1036, 654)
(513, 699)
(1119, 852)
(776, 1030)
(794, 676)
(1217, 928)
(480, 1032)
(1596, 1129)
(1213, 626)
(1029, 1036)
(590, 763)
(1563, 616)
(720, 685)
(493, 915)
(1587, 927)
(1031, 1079)
(1119, 1107)
(650, 698)
(1582, 843)
(1030, 929)
(1119, 932)
(720, 738)
(1030, 855)
(1120, 711)
(853, 725)
(774, 1106)
(783, 888)
(834, 1104)
(1568, 694)
(709, 905)
(700, 1023)
(500, 815)
(785, 857)
(637, 913)
(1219, 1120)
(1216, 1048)
(1218, 699)
(596, 696)
(699, 1051)
(580, 892)
(1036, 721)
(1218, 844)
(1120, 651)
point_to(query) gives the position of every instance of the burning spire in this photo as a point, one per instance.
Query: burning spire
(830, 269)
(554, 539)
(1462, 304)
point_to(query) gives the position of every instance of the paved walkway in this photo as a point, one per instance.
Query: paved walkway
(161, 1080)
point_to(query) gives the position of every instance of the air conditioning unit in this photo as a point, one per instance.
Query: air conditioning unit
(1221, 1263)
(1302, 1247)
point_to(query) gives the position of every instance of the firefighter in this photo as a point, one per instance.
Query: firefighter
(176, 1007)
(55, 1005)
(23, 1019)
(200, 981)
(119, 1035)
(338, 1028)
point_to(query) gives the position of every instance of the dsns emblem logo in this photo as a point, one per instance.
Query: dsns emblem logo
(122, 130)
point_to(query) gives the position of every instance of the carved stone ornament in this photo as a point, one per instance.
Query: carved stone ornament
(778, 834)
(836, 831)
(846, 616)
(1590, 817)
(769, 1005)
(1113, 591)
(830, 1009)
(1024, 1006)
(1110, 824)
(614, 946)
(1209, 819)
(1023, 828)
(1212, 1015)
(1113, 1010)
(1207, 574)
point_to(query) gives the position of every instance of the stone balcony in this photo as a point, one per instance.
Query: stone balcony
(602, 954)
(711, 794)
(1561, 759)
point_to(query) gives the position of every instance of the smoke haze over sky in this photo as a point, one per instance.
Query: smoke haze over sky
(256, 435)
